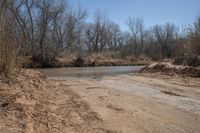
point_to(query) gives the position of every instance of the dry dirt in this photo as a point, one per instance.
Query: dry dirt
(137, 103)
(33, 105)
(142, 103)
(168, 68)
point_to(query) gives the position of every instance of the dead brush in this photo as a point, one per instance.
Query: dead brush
(10, 44)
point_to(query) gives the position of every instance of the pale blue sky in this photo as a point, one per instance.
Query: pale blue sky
(180, 12)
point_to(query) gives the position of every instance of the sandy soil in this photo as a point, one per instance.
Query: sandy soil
(31, 104)
(142, 103)
(132, 103)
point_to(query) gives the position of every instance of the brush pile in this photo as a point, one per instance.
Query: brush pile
(169, 69)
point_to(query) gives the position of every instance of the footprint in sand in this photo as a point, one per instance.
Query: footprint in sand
(91, 88)
(115, 108)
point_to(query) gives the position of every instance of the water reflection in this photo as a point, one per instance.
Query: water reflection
(88, 72)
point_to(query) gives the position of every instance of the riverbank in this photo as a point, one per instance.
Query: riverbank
(32, 104)
(142, 102)
(94, 60)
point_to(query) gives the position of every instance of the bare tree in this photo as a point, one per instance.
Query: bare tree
(48, 32)
(11, 38)
(74, 27)
(164, 36)
(96, 34)
(46, 28)
(194, 37)
(115, 39)
(149, 48)
(136, 26)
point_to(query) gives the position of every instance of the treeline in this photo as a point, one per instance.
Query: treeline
(44, 29)
(157, 42)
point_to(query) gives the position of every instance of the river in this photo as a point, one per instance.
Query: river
(88, 72)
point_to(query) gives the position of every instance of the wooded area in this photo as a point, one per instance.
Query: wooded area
(46, 29)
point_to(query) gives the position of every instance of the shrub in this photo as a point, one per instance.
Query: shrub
(10, 41)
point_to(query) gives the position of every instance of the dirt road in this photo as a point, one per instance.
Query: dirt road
(142, 103)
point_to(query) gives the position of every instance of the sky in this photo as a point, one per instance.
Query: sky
(179, 12)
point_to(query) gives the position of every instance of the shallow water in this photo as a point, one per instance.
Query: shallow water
(88, 72)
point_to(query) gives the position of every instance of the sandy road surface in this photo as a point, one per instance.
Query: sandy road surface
(142, 103)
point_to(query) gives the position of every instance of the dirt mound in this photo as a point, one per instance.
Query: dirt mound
(169, 69)
(33, 105)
